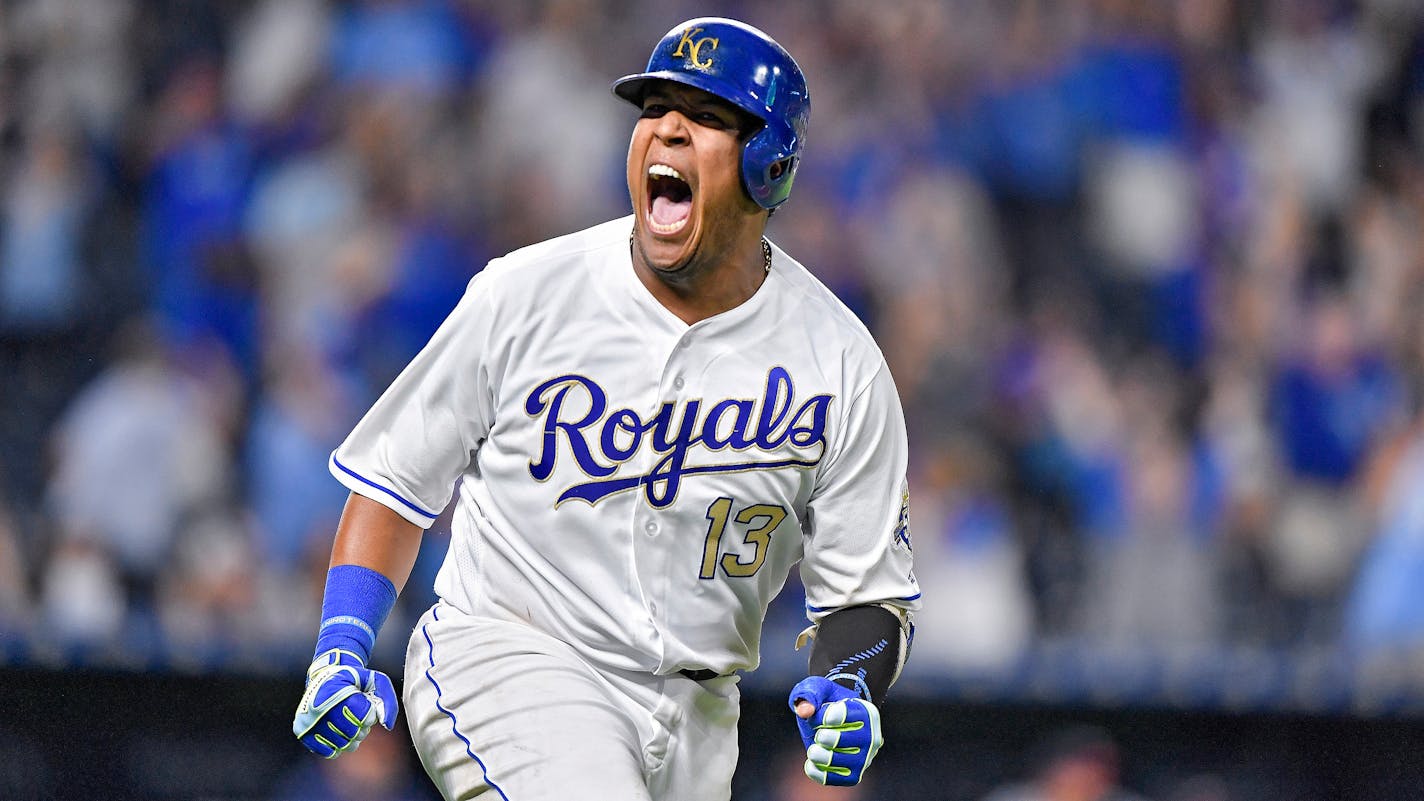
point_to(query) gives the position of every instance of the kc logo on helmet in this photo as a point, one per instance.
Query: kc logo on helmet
(693, 47)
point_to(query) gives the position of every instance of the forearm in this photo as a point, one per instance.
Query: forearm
(374, 551)
(371, 559)
(861, 648)
(857, 655)
(373, 536)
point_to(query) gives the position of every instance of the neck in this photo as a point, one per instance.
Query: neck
(706, 288)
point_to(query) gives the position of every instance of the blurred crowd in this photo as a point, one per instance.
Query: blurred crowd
(1148, 276)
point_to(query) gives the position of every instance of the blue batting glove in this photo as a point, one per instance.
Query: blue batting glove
(343, 700)
(842, 737)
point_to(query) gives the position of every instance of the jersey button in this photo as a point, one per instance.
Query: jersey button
(651, 528)
(678, 383)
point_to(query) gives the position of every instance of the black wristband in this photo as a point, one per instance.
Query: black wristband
(859, 648)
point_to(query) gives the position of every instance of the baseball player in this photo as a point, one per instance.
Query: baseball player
(648, 423)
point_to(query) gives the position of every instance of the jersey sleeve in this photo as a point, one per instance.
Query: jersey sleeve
(858, 550)
(419, 437)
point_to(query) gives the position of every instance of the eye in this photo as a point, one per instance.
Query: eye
(654, 110)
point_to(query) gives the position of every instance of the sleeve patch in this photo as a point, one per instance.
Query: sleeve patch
(902, 527)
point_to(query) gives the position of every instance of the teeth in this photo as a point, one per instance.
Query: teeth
(666, 230)
(664, 171)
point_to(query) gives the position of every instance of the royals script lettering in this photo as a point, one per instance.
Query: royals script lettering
(773, 431)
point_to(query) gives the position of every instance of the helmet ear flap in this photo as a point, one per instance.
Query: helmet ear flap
(769, 162)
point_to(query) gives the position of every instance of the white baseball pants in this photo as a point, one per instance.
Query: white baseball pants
(498, 710)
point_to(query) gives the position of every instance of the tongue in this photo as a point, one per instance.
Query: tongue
(668, 212)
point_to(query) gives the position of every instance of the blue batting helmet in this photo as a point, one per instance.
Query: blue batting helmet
(748, 69)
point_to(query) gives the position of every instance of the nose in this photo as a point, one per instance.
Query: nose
(671, 128)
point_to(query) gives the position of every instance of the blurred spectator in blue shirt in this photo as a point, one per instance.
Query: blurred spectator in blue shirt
(1140, 187)
(1150, 506)
(1385, 611)
(46, 206)
(431, 262)
(1333, 403)
(420, 46)
(1334, 398)
(195, 194)
(301, 415)
(968, 557)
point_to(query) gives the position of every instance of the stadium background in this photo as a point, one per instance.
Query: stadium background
(1148, 276)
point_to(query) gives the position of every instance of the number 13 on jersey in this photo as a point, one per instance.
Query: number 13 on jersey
(760, 520)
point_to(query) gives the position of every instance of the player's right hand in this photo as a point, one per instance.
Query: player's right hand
(841, 731)
(343, 700)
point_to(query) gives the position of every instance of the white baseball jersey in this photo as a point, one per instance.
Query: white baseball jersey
(636, 486)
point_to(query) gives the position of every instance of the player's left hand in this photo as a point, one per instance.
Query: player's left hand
(343, 700)
(841, 731)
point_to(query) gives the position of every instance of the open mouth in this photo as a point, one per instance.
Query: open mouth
(669, 200)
